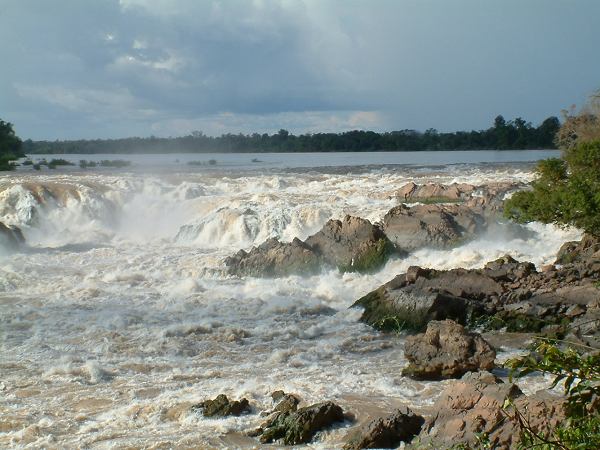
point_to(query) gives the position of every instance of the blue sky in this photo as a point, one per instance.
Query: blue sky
(110, 68)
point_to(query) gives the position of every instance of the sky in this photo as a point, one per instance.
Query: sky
(74, 69)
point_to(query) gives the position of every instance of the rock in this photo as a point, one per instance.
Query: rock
(436, 225)
(221, 406)
(275, 259)
(285, 402)
(387, 432)
(10, 237)
(435, 192)
(579, 251)
(397, 306)
(352, 244)
(411, 300)
(475, 407)
(299, 427)
(446, 350)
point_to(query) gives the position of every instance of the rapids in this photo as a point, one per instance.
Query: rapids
(118, 314)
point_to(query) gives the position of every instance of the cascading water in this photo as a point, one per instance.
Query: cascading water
(117, 315)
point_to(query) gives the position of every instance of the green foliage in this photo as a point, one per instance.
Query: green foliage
(566, 191)
(10, 146)
(579, 375)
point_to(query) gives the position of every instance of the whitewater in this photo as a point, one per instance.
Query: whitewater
(118, 314)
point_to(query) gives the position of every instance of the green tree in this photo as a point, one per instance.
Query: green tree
(566, 190)
(10, 146)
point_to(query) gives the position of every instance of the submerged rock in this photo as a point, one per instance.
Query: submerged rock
(475, 406)
(387, 432)
(221, 406)
(10, 237)
(295, 427)
(352, 245)
(446, 350)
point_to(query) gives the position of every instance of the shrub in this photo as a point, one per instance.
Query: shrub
(566, 191)
(579, 372)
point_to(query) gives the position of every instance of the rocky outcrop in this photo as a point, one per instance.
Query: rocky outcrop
(387, 432)
(10, 237)
(435, 192)
(352, 245)
(411, 300)
(474, 408)
(410, 228)
(221, 406)
(275, 259)
(504, 294)
(487, 198)
(446, 350)
(299, 426)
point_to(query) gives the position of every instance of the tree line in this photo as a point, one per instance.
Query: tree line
(503, 135)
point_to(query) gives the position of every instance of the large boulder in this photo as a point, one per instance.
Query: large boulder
(411, 300)
(275, 259)
(474, 408)
(387, 432)
(10, 237)
(352, 244)
(294, 427)
(446, 350)
(411, 228)
(221, 406)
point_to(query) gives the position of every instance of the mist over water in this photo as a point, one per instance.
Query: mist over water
(118, 315)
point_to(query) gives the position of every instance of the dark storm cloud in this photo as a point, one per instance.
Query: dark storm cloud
(137, 67)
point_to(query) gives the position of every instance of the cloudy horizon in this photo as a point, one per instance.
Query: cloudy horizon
(111, 68)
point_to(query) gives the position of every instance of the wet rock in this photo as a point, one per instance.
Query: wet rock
(352, 244)
(275, 259)
(446, 350)
(430, 226)
(435, 192)
(475, 407)
(221, 406)
(387, 432)
(299, 427)
(287, 403)
(10, 237)
(411, 300)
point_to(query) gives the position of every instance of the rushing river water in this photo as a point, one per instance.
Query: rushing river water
(118, 315)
